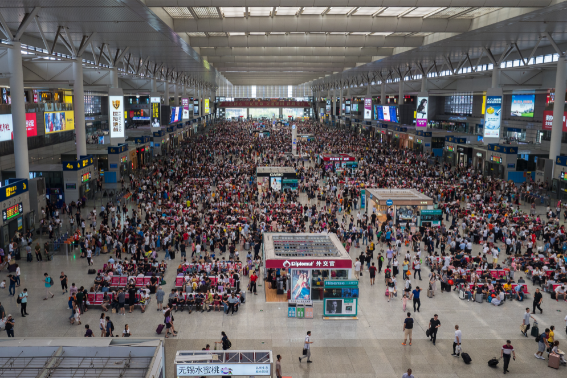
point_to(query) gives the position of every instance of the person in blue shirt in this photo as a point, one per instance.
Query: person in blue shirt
(415, 296)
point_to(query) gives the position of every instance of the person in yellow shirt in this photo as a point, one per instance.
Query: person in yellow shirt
(551, 335)
(507, 286)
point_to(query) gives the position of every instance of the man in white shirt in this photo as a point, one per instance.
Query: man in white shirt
(560, 291)
(408, 374)
(357, 265)
(457, 342)
(307, 348)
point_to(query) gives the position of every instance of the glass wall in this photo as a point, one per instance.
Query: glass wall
(294, 112)
(235, 112)
(264, 112)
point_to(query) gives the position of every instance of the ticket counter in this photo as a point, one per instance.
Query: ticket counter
(15, 207)
(79, 178)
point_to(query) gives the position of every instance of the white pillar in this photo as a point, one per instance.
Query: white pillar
(154, 84)
(166, 92)
(201, 103)
(424, 83)
(294, 140)
(18, 111)
(383, 93)
(176, 99)
(184, 90)
(401, 92)
(333, 101)
(79, 107)
(113, 77)
(496, 78)
(558, 112)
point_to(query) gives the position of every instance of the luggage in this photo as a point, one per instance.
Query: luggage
(428, 332)
(12, 268)
(493, 362)
(387, 292)
(159, 329)
(479, 298)
(554, 361)
(553, 295)
(172, 255)
(429, 293)
(466, 358)
(490, 266)
(247, 246)
(535, 330)
(462, 294)
(92, 271)
(17, 255)
(489, 299)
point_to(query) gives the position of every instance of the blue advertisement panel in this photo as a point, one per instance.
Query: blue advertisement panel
(522, 105)
(492, 116)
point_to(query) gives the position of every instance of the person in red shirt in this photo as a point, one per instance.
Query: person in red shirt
(253, 279)
(372, 274)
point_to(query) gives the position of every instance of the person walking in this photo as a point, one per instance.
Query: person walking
(416, 301)
(542, 344)
(9, 326)
(408, 374)
(23, 297)
(64, 280)
(372, 271)
(526, 322)
(408, 328)
(434, 325)
(506, 352)
(357, 266)
(12, 288)
(457, 342)
(48, 282)
(253, 279)
(538, 300)
(307, 348)
(160, 294)
(109, 327)
(279, 366)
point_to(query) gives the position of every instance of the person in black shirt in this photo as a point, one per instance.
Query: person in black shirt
(434, 324)
(408, 327)
(538, 299)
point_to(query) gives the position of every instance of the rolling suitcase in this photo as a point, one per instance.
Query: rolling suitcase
(535, 330)
(466, 358)
(159, 329)
(17, 254)
(462, 294)
(554, 361)
(479, 298)
(429, 293)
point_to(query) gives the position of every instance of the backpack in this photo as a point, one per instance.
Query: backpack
(50, 281)
(111, 327)
(228, 344)
(538, 338)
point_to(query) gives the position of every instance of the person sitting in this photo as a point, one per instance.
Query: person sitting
(555, 351)
(519, 293)
(190, 302)
(498, 299)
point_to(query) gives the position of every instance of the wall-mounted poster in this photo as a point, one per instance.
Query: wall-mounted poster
(421, 112)
(56, 122)
(492, 116)
(301, 284)
(276, 183)
(522, 105)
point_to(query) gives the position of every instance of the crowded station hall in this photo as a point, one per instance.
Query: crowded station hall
(284, 190)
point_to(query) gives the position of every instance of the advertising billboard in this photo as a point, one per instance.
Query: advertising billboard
(301, 284)
(522, 105)
(218, 369)
(155, 112)
(185, 106)
(386, 111)
(492, 116)
(175, 114)
(7, 126)
(367, 108)
(56, 122)
(206, 110)
(393, 114)
(116, 114)
(548, 120)
(195, 108)
(421, 112)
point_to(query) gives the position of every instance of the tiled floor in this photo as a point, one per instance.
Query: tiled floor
(368, 347)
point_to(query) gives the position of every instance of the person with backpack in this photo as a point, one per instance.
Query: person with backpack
(23, 302)
(542, 344)
(225, 342)
(48, 282)
(109, 327)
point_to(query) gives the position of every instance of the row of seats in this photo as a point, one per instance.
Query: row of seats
(179, 280)
(524, 287)
(122, 281)
(96, 299)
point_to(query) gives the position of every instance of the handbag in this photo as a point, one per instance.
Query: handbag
(523, 328)
(304, 351)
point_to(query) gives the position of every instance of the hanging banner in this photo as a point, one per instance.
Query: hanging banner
(367, 108)
(116, 112)
(185, 105)
(492, 116)
(206, 111)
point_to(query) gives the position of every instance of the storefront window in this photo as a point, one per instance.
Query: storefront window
(294, 112)
(235, 112)
(514, 136)
(317, 283)
(341, 274)
(264, 112)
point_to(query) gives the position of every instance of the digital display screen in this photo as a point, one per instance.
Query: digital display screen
(56, 122)
(523, 105)
(12, 211)
(116, 114)
(86, 177)
(355, 107)
(386, 111)
(563, 176)
(393, 114)
(450, 148)
(496, 159)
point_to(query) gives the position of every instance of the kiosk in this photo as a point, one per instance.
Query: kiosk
(400, 205)
(276, 178)
(79, 178)
(336, 161)
(303, 262)
(341, 299)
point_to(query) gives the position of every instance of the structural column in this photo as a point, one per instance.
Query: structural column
(166, 92)
(383, 93)
(154, 84)
(424, 83)
(558, 111)
(176, 99)
(79, 107)
(201, 103)
(113, 77)
(333, 102)
(495, 77)
(18, 111)
(401, 92)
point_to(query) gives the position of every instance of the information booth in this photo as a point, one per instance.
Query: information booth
(400, 205)
(276, 178)
(297, 265)
(222, 363)
(79, 178)
(336, 161)
(341, 299)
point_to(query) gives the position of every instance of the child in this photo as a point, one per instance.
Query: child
(3, 284)
(404, 302)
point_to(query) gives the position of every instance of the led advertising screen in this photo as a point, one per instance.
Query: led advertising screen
(116, 114)
(367, 108)
(522, 105)
(276, 183)
(7, 126)
(492, 116)
(328, 106)
(386, 111)
(206, 111)
(175, 114)
(301, 284)
(421, 112)
(343, 107)
(347, 107)
(393, 114)
(548, 120)
(155, 112)
(185, 106)
(195, 108)
(354, 107)
(56, 122)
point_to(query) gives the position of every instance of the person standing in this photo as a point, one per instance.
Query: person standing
(109, 327)
(457, 342)
(23, 297)
(9, 326)
(12, 288)
(538, 300)
(253, 279)
(357, 265)
(416, 301)
(417, 268)
(408, 374)
(48, 282)
(506, 352)
(307, 348)
(434, 325)
(279, 366)
(526, 321)
(408, 328)
(160, 294)
(121, 301)
(63, 279)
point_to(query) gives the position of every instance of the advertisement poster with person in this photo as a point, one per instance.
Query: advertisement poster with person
(56, 122)
(421, 112)
(367, 108)
(301, 284)
(276, 183)
(333, 306)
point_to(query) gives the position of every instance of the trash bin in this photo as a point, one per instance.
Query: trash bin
(300, 311)
(291, 307)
